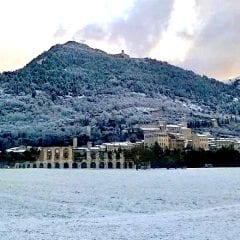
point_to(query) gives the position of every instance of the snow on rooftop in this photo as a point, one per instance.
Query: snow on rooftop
(150, 129)
(201, 135)
(173, 126)
(81, 148)
(20, 149)
(94, 148)
(118, 144)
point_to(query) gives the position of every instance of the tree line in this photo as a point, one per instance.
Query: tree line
(10, 158)
(155, 155)
(159, 158)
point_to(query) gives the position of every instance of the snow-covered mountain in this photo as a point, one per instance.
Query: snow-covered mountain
(72, 86)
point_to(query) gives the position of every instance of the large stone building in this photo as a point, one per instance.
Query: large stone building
(151, 136)
(109, 155)
(55, 157)
(51, 157)
(177, 142)
(167, 136)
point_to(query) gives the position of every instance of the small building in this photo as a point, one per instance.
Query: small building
(200, 141)
(151, 137)
(224, 142)
(214, 122)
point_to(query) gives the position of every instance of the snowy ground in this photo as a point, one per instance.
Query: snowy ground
(120, 204)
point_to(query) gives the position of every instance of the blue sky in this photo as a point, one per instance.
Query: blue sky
(201, 35)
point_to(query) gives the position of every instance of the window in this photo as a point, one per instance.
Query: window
(93, 155)
(49, 154)
(65, 153)
(57, 154)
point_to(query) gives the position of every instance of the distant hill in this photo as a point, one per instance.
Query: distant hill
(72, 86)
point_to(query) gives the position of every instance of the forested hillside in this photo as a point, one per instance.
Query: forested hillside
(72, 86)
(235, 82)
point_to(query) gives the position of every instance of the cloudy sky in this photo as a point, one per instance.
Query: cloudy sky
(201, 35)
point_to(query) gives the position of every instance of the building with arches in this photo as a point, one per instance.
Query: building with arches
(107, 156)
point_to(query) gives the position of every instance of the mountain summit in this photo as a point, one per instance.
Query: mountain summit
(72, 86)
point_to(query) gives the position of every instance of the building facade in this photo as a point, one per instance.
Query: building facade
(155, 136)
(167, 136)
(200, 141)
(98, 157)
(176, 142)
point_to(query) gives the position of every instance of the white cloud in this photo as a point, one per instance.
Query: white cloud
(215, 50)
(176, 40)
(201, 35)
(29, 27)
(138, 31)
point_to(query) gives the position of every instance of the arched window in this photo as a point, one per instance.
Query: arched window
(110, 155)
(65, 153)
(101, 165)
(57, 154)
(118, 155)
(118, 165)
(93, 155)
(74, 165)
(83, 165)
(101, 155)
(57, 165)
(49, 154)
(66, 165)
(93, 165)
(130, 165)
(110, 165)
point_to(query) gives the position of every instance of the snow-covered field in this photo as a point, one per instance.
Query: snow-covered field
(120, 204)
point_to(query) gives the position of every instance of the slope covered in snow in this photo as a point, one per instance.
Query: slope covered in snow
(119, 204)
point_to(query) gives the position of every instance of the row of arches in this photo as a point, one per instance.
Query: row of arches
(75, 165)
